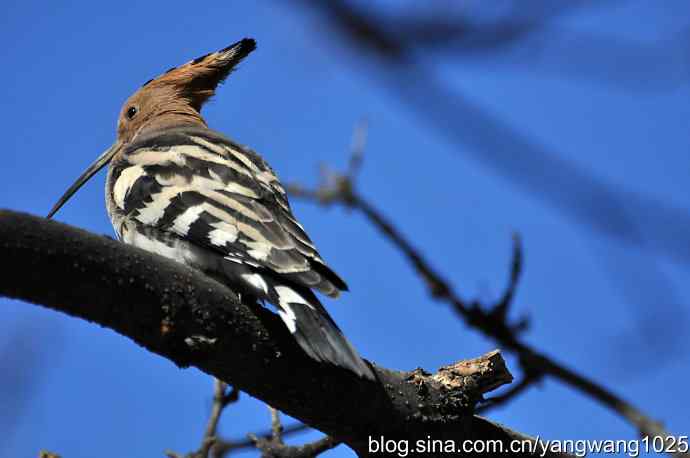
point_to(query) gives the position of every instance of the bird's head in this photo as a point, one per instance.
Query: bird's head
(172, 99)
(176, 96)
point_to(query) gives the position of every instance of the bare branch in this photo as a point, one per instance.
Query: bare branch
(47, 454)
(271, 449)
(274, 447)
(359, 142)
(223, 447)
(511, 393)
(621, 214)
(276, 426)
(221, 398)
(501, 308)
(490, 321)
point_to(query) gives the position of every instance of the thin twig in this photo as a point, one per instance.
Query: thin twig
(508, 395)
(501, 308)
(225, 446)
(275, 447)
(276, 425)
(359, 141)
(221, 399)
(270, 449)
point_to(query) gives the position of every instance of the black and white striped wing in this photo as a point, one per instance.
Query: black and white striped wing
(194, 196)
(208, 190)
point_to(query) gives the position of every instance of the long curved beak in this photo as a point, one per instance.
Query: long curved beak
(97, 165)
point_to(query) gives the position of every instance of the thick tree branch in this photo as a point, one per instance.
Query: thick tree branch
(190, 319)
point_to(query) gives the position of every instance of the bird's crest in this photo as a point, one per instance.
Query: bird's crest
(197, 79)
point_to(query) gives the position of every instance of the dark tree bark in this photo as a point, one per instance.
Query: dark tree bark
(192, 320)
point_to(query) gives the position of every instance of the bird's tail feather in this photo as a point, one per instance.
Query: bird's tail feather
(315, 331)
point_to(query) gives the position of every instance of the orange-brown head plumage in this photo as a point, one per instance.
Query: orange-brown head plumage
(176, 97)
(173, 99)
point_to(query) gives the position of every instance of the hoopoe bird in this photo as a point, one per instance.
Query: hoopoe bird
(181, 190)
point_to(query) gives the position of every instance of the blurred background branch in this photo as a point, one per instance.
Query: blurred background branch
(491, 320)
(403, 44)
(515, 155)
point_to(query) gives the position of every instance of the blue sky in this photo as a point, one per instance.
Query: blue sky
(612, 310)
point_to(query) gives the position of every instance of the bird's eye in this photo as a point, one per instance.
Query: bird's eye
(131, 112)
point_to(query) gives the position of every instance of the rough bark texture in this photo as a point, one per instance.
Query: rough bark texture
(193, 320)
